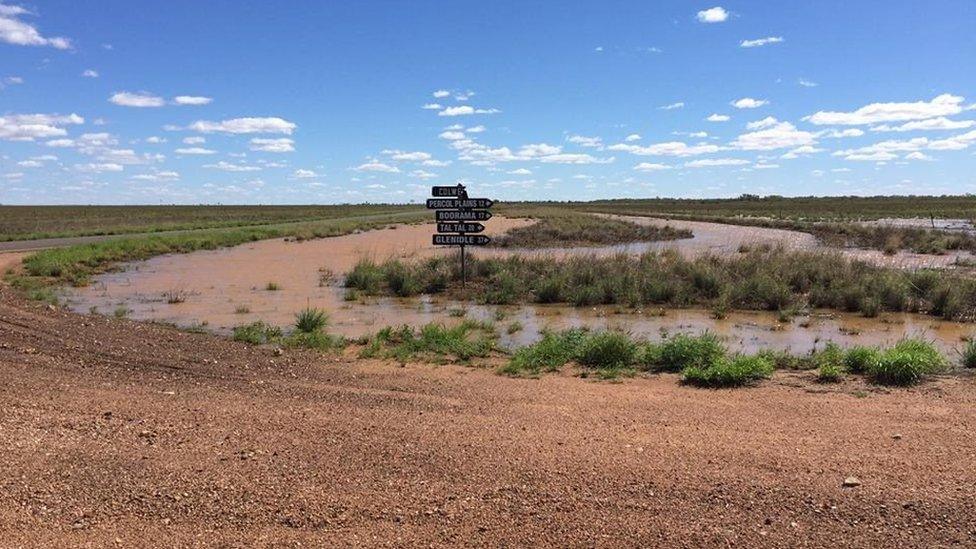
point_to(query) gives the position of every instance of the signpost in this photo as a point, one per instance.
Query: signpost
(455, 214)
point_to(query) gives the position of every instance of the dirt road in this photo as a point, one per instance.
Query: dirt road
(116, 433)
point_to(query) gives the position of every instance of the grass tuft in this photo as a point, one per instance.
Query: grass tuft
(311, 320)
(729, 372)
(907, 363)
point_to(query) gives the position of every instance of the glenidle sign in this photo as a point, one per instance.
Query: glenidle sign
(455, 216)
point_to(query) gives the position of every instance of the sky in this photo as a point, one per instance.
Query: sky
(242, 102)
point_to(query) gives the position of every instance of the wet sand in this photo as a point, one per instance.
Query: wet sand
(226, 288)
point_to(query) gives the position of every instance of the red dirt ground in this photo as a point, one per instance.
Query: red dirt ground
(116, 433)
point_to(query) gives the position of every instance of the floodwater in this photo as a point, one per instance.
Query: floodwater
(227, 287)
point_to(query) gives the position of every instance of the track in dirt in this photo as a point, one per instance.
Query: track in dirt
(120, 432)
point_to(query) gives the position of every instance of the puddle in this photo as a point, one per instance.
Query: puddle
(227, 287)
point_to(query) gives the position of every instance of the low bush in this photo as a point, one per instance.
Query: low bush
(969, 354)
(684, 351)
(729, 372)
(548, 354)
(257, 333)
(606, 350)
(310, 320)
(858, 360)
(433, 341)
(907, 363)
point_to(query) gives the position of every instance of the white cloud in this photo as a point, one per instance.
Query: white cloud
(943, 105)
(407, 156)
(800, 151)
(432, 106)
(464, 110)
(569, 158)
(775, 135)
(421, 174)
(807, 83)
(583, 141)
(931, 124)
(452, 135)
(520, 171)
(715, 117)
(749, 103)
(375, 166)
(156, 140)
(280, 145)
(436, 163)
(672, 106)
(228, 167)
(195, 150)
(99, 167)
(713, 15)
(440, 94)
(670, 148)
(137, 99)
(534, 150)
(14, 31)
(716, 162)
(194, 140)
(761, 42)
(304, 174)
(30, 164)
(917, 156)
(157, 176)
(476, 129)
(764, 123)
(192, 100)
(28, 127)
(90, 73)
(849, 132)
(632, 137)
(651, 167)
(245, 125)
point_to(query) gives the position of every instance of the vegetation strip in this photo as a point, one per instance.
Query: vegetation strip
(560, 229)
(760, 279)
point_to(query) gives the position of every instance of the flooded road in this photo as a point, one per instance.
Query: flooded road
(228, 287)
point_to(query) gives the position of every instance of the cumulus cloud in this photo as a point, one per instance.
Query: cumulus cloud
(245, 125)
(28, 127)
(422, 174)
(773, 135)
(137, 99)
(195, 151)
(229, 167)
(432, 106)
(99, 167)
(716, 162)
(876, 113)
(407, 156)
(759, 42)
(715, 117)
(304, 174)
(440, 94)
(749, 103)
(713, 15)
(931, 124)
(192, 100)
(651, 167)
(670, 148)
(280, 145)
(90, 73)
(15, 31)
(464, 110)
(194, 140)
(672, 106)
(583, 141)
(376, 166)
(157, 176)
(632, 137)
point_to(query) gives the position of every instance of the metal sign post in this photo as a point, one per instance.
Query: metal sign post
(454, 214)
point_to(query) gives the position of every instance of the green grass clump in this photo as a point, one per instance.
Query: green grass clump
(272, 286)
(564, 228)
(317, 340)
(907, 363)
(729, 372)
(548, 354)
(969, 354)
(434, 342)
(257, 333)
(860, 359)
(311, 320)
(606, 350)
(830, 363)
(684, 351)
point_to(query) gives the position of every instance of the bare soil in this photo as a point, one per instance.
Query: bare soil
(119, 433)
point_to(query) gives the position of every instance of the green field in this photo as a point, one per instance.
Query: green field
(32, 222)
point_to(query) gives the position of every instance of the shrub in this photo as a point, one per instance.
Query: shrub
(969, 354)
(315, 340)
(606, 350)
(830, 363)
(548, 354)
(272, 286)
(464, 341)
(311, 320)
(257, 333)
(859, 360)
(907, 363)
(683, 351)
(729, 372)
(366, 276)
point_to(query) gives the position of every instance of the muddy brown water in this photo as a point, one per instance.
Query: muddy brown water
(227, 287)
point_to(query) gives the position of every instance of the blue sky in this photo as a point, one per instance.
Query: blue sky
(331, 102)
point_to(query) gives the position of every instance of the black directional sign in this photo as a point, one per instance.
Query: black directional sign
(460, 227)
(454, 215)
(447, 190)
(451, 203)
(461, 239)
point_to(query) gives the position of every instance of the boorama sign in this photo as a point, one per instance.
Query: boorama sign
(455, 215)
